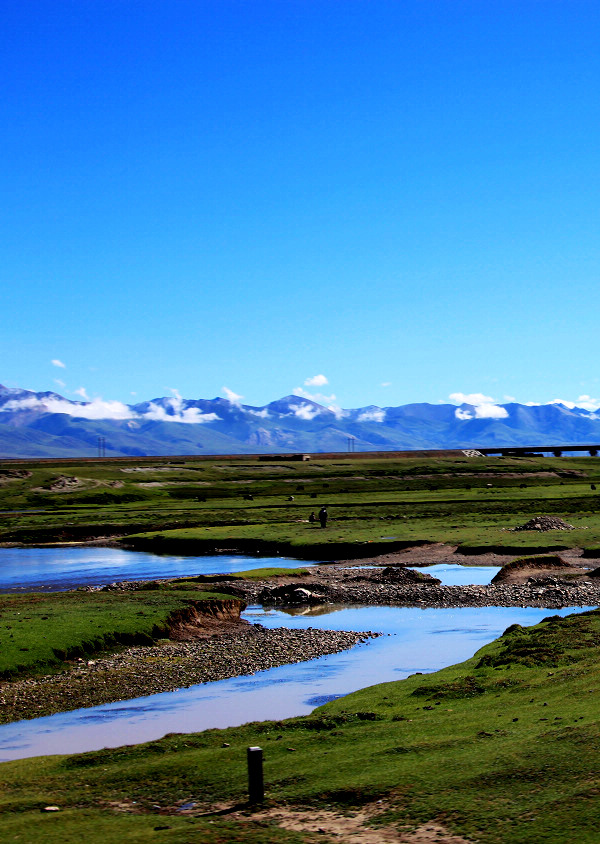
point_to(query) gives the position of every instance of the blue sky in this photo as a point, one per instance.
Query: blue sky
(400, 197)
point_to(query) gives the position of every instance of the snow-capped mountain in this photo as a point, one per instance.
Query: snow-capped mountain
(49, 425)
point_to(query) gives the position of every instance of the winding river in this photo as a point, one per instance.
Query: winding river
(415, 640)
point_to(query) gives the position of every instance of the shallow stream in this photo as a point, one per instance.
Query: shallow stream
(415, 640)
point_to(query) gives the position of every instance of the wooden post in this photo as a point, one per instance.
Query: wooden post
(256, 788)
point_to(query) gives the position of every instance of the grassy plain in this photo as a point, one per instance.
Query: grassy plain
(39, 632)
(380, 503)
(502, 748)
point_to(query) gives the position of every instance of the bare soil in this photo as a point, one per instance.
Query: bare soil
(359, 825)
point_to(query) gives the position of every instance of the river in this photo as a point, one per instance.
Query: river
(415, 640)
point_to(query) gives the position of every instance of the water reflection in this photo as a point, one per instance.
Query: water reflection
(417, 640)
(56, 569)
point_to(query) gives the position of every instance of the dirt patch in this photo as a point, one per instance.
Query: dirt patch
(436, 553)
(68, 483)
(431, 554)
(520, 571)
(358, 826)
(215, 619)
(8, 475)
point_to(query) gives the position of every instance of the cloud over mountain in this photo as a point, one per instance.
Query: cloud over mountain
(47, 424)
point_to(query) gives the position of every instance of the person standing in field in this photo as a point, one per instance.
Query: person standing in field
(323, 517)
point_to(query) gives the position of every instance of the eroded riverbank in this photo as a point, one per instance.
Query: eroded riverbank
(139, 671)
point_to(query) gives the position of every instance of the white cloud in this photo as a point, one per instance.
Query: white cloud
(463, 414)
(316, 381)
(186, 416)
(306, 411)
(485, 407)
(100, 409)
(319, 398)
(491, 411)
(96, 409)
(263, 414)
(470, 398)
(81, 392)
(386, 383)
(339, 413)
(57, 362)
(509, 399)
(373, 415)
(568, 404)
(59, 382)
(588, 403)
(232, 397)
(585, 402)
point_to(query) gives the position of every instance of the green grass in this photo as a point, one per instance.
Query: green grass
(39, 632)
(354, 537)
(458, 500)
(252, 574)
(502, 748)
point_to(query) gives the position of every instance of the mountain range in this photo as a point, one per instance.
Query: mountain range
(48, 425)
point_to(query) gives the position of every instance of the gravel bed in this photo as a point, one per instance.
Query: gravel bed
(140, 671)
(552, 593)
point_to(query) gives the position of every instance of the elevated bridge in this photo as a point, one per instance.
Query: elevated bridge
(524, 450)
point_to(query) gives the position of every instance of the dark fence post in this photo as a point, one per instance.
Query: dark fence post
(256, 787)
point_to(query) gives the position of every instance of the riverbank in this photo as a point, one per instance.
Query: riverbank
(387, 579)
(139, 671)
(499, 749)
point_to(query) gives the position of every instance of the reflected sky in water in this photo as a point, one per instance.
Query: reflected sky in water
(415, 640)
(56, 569)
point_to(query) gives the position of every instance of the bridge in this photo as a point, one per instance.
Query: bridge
(523, 450)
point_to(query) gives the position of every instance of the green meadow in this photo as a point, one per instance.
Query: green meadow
(39, 632)
(502, 749)
(263, 506)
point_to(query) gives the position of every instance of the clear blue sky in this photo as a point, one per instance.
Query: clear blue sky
(208, 193)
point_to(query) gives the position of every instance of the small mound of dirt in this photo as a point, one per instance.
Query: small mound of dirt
(64, 482)
(518, 571)
(544, 523)
(395, 574)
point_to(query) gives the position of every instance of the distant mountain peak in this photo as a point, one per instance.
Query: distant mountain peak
(46, 424)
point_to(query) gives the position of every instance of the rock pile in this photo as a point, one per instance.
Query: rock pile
(545, 523)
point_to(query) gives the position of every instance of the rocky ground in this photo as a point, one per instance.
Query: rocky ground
(392, 583)
(233, 648)
(139, 671)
